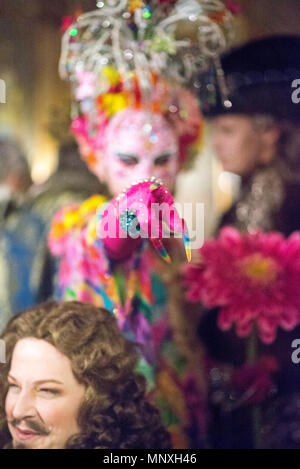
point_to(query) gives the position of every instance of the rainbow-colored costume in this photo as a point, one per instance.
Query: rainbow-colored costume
(132, 74)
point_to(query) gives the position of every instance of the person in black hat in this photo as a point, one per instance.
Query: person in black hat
(256, 135)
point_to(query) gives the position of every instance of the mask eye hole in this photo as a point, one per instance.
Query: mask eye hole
(162, 160)
(127, 159)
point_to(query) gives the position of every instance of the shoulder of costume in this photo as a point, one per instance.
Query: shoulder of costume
(72, 220)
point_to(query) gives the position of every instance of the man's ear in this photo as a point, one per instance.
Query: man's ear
(14, 181)
(270, 137)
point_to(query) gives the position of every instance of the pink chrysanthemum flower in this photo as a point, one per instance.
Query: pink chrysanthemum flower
(253, 278)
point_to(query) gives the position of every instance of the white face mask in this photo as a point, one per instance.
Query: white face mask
(5, 193)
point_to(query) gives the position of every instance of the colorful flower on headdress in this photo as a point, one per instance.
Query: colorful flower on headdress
(253, 278)
(86, 86)
(218, 17)
(111, 103)
(111, 74)
(66, 22)
(90, 138)
(133, 5)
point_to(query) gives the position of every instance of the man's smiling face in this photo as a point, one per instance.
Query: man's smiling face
(43, 397)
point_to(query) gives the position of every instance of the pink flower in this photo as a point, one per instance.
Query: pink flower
(86, 86)
(193, 281)
(88, 138)
(253, 278)
(66, 22)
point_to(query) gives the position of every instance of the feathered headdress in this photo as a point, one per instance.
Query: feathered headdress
(141, 54)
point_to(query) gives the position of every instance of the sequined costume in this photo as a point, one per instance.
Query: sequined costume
(268, 200)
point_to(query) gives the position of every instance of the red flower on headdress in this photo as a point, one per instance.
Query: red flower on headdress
(66, 22)
(253, 278)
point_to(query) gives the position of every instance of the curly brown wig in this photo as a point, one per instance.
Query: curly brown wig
(114, 412)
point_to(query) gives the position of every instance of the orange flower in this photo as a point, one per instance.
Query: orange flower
(91, 159)
(135, 4)
(218, 17)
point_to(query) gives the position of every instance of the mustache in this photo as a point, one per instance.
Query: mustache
(31, 425)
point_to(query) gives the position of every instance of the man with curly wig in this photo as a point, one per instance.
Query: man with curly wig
(69, 382)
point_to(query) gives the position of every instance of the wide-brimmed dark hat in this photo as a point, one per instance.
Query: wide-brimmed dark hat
(260, 76)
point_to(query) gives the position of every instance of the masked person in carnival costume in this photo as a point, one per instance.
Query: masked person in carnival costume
(136, 122)
(256, 136)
